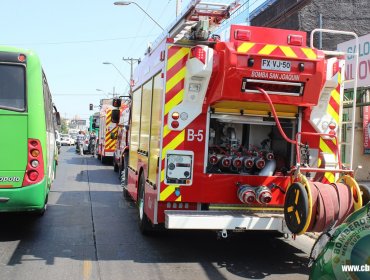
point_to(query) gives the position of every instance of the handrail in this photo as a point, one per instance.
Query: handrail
(356, 54)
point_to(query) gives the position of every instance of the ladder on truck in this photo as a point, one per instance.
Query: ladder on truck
(348, 143)
(199, 19)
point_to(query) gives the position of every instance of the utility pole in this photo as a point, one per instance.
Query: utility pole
(131, 61)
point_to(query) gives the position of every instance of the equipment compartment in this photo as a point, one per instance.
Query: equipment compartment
(249, 145)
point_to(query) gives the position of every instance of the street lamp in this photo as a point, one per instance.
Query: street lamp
(126, 3)
(123, 77)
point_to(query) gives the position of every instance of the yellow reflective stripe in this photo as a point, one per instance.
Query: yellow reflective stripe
(178, 199)
(268, 49)
(174, 101)
(336, 96)
(167, 192)
(333, 113)
(288, 51)
(162, 175)
(325, 148)
(166, 130)
(330, 177)
(174, 143)
(175, 79)
(177, 57)
(245, 47)
(309, 53)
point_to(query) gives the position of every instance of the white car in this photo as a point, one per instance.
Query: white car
(67, 140)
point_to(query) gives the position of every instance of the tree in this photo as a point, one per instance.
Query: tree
(64, 126)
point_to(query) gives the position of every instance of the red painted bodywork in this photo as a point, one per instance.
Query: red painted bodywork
(229, 68)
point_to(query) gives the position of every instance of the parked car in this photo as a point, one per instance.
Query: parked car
(344, 251)
(66, 140)
(72, 141)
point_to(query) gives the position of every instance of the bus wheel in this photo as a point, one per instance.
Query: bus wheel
(145, 225)
(41, 212)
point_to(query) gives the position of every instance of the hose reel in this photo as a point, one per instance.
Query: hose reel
(314, 206)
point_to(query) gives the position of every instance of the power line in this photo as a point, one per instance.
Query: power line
(84, 41)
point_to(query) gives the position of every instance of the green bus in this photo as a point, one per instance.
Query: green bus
(28, 152)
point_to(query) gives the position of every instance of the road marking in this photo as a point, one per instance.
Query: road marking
(87, 269)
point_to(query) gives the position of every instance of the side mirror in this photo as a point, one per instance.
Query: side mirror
(115, 115)
(57, 117)
(127, 127)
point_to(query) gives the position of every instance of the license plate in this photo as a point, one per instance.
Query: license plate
(277, 65)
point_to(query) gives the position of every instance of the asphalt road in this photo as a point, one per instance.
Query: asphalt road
(89, 231)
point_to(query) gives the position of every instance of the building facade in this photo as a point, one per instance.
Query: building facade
(347, 15)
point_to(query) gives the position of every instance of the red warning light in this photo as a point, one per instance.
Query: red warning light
(21, 58)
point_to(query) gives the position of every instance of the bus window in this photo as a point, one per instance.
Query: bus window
(12, 87)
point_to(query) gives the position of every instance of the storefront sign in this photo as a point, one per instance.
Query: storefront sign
(366, 127)
(363, 76)
(363, 49)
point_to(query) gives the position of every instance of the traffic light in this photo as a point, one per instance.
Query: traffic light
(91, 107)
(116, 102)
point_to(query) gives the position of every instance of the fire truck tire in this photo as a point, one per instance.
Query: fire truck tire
(126, 194)
(115, 167)
(296, 208)
(104, 160)
(365, 193)
(145, 225)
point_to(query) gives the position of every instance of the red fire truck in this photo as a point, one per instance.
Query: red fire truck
(120, 159)
(107, 132)
(240, 133)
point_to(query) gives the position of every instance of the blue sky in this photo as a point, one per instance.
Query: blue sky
(74, 37)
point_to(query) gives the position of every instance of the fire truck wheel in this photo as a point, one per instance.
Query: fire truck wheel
(296, 208)
(145, 225)
(115, 167)
(126, 194)
(103, 159)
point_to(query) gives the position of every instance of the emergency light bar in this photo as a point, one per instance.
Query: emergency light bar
(272, 87)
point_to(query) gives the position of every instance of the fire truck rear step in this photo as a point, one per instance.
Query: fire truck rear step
(224, 220)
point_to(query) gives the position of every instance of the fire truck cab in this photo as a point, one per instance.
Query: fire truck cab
(237, 134)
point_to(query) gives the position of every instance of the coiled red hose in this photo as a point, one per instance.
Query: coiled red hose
(331, 204)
